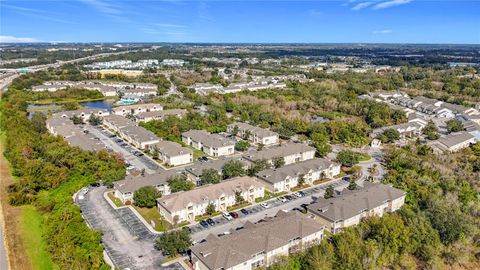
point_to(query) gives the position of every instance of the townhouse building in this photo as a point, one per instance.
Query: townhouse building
(116, 122)
(452, 142)
(211, 144)
(137, 109)
(350, 207)
(287, 177)
(258, 245)
(194, 172)
(160, 115)
(83, 113)
(290, 152)
(138, 136)
(185, 206)
(254, 134)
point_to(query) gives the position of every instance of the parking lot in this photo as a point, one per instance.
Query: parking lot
(132, 156)
(258, 212)
(127, 241)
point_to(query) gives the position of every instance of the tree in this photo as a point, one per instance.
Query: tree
(174, 242)
(38, 121)
(328, 192)
(278, 162)
(210, 176)
(348, 157)
(235, 130)
(210, 209)
(242, 145)
(257, 166)
(77, 120)
(389, 135)
(301, 180)
(454, 125)
(179, 183)
(239, 198)
(94, 120)
(233, 168)
(424, 150)
(431, 131)
(352, 185)
(146, 196)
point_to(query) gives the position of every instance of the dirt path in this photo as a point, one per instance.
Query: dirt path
(9, 219)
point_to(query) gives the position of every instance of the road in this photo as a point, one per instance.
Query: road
(3, 251)
(257, 212)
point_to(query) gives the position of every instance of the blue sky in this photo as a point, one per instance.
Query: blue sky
(342, 21)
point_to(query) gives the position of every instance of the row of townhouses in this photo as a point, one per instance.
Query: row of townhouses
(207, 88)
(211, 144)
(254, 134)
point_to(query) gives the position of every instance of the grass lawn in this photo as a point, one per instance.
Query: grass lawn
(207, 216)
(300, 187)
(236, 207)
(150, 214)
(364, 157)
(36, 247)
(269, 195)
(115, 200)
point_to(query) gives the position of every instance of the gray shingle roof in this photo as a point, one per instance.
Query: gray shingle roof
(133, 183)
(216, 164)
(278, 175)
(208, 139)
(279, 151)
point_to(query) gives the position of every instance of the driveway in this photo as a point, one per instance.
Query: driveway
(127, 241)
(258, 212)
(126, 150)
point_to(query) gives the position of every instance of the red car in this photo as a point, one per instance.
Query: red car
(233, 214)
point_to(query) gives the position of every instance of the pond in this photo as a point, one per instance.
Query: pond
(46, 108)
(100, 104)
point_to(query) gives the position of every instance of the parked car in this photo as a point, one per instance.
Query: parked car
(288, 197)
(204, 224)
(233, 214)
(265, 205)
(245, 211)
(210, 222)
(119, 140)
(282, 199)
(204, 158)
(227, 216)
(297, 194)
(302, 193)
(304, 205)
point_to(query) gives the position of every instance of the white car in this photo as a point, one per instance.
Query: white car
(282, 199)
(298, 194)
(265, 205)
(227, 216)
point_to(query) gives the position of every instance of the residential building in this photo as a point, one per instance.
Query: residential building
(171, 153)
(138, 136)
(287, 177)
(194, 172)
(211, 144)
(254, 134)
(137, 109)
(160, 115)
(350, 207)
(205, 88)
(185, 206)
(258, 245)
(116, 122)
(124, 189)
(290, 152)
(452, 142)
(83, 113)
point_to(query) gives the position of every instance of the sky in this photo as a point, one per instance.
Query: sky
(281, 21)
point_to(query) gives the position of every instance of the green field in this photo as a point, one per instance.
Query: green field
(31, 226)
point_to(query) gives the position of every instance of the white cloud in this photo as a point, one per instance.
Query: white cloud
(12, 39)
(104, 7)
(383, 32)
(169, 25)
(391, 3)
(315, 12)
(362, 5)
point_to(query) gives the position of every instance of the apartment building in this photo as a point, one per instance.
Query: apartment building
(83, 113)
(185, 206)
(137, 109)
(160, 115)
(116, 122)
(290, 152)
(138, 136)
(124, 189)
(258, 245)
(254, 134)
(171, 153)
(211, 144)
(452, 142)
(288, 177)
(350, 207)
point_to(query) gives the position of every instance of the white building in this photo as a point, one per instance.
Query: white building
(211, 144)
(290, 152)
(254, 134)
(137, 108)
(172, 153)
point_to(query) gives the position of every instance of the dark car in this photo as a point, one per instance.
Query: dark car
(112, 136)
(288, 197)
(244, 211)
(233, 214)
(304, 205)
(95, 184)
(205, 158)
(204, 224)
(119, 140)
(210, 222)
(302, 193)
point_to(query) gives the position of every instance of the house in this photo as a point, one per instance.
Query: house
(452, 142)
(206, 88)
(409, 129)
(194, 172)
(124, 189)
(350, 207)
(473, 128)
(254, 134)
(139, 92)
(55, 122)
(171, 153)
(258, 245)
(290, 152)
(137, 108)
(287, 177)
(138, 136)
(116, 122)
(83, 113)
(87, 142)
(160, 115)
(211, 144)
(185, 206)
